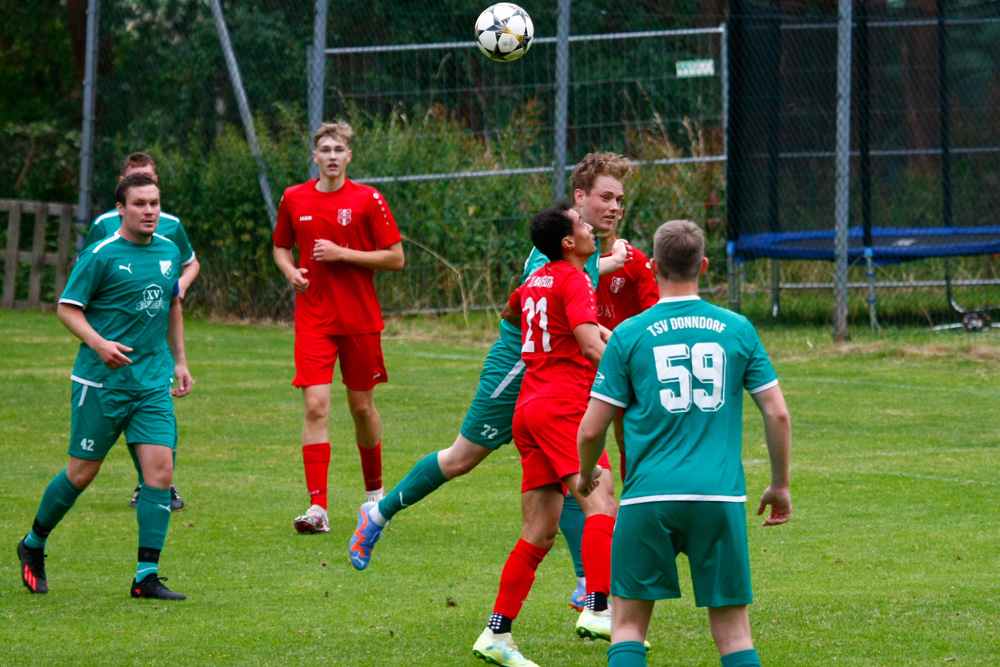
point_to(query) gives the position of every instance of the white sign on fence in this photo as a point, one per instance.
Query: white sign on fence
(687, 69)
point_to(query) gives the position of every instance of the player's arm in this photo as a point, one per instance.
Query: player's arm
(390, 258)
(621, 252)
(286, 264)
(590, 442)
(175, 341)
(512, 309)
(111, 353)
(778, 434)
(189, 272)
(588, 335)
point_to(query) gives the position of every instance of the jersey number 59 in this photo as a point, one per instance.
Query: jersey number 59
(707, 365)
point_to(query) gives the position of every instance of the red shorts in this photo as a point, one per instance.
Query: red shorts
(545, 435)
(361, 363)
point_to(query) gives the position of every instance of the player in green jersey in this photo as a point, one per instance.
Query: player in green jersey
(598, 192)
(170, 226)
(122, 302)
(679, 370)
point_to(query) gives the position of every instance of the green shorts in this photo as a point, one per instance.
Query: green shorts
(100, 415)
(488, 421)
(648, 537)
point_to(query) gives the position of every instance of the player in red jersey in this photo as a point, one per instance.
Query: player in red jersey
(345, 232)
(621, 295)
(562, 346)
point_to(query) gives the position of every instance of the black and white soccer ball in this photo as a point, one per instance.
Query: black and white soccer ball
(504, 32)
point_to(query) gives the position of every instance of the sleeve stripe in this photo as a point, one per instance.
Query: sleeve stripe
(190, 259)
(757, 390)
(608, 399)
(71, 301)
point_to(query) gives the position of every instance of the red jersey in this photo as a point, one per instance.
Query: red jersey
(341, 297)
(627, 291)
(553, 301)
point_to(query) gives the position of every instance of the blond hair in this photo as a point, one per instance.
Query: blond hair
(599, 164)
(678, 247)
(337, 130)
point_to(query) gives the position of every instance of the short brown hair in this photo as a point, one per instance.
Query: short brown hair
(132, 181)
(599, 164)
(338, 130)
(678, 247)
(137, 160)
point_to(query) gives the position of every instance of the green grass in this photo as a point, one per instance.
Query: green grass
(891, 557)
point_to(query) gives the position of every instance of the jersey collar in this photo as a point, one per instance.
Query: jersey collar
(676, 299)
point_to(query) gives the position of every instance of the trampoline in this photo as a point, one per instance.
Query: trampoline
(933, 189)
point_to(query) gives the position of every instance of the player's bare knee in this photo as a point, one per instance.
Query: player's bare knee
(82, 472)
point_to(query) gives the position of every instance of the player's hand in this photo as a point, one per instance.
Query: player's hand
(620, 253)
(184, 381)
(628, 249)
(327, 251)
(605, 332)
(112, 354)
(780, 501)
(299, 281)
(587, 482)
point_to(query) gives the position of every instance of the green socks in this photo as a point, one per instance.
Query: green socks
(420, 482)
(571, 524)
(627, 654)
(747, 658)
(153, 515)
(58, 498)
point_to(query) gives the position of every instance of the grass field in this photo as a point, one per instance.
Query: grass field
(892, 556)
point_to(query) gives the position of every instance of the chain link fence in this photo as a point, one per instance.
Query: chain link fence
(730, 118)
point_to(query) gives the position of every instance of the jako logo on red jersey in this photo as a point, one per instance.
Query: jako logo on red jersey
(344, 216)
(617, 283)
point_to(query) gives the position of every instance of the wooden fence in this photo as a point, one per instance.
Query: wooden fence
(53, 244)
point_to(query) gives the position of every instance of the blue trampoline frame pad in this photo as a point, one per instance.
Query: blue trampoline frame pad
(889, 245)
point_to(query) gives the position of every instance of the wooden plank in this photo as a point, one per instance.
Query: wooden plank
(10, 256)
(66, 238)
(37, 255)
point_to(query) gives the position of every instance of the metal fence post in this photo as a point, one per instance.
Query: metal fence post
(241, 100)
(843, 169)
(316, 67)
(562, 100)
(89, 102)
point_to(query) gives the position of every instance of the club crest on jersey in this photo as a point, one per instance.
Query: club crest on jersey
(617, 283)
(152, 300)
(166, 267)
(344, 216)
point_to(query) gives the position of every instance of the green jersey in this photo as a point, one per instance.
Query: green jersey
(679, 370)
(125, 290)
(170, 226)
(510, 333)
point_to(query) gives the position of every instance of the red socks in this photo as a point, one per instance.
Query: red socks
(517, 577)
(371, 466)
(595, 550)
(317, 463)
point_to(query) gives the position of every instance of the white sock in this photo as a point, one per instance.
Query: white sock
(376, 516)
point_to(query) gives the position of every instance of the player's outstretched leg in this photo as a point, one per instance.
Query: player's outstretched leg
(499, 649)
(364, 537)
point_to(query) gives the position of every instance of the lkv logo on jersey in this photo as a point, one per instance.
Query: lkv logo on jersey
(617, 283)
(152, 300)
(166, 267)
(344, 216)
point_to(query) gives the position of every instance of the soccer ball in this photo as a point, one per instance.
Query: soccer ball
(504, 32)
